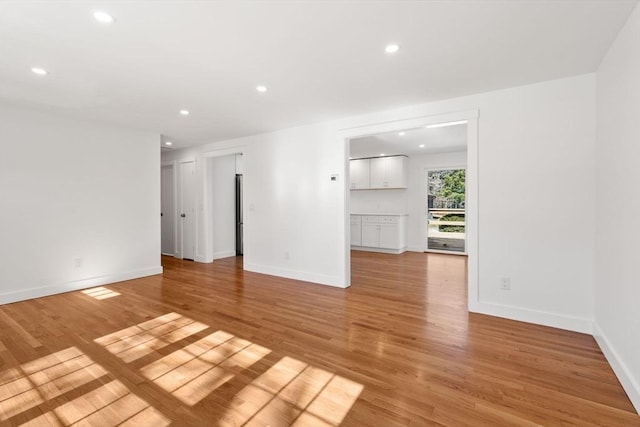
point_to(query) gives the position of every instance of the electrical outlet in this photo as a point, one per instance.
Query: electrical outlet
(505, 284)
(77, 262)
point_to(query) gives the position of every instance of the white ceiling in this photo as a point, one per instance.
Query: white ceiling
(320, 60)
(437, 140)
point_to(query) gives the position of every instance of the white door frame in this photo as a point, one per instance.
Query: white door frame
(207, 220)
(423, 227)
(471, 116)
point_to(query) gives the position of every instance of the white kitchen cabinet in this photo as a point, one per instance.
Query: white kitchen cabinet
(388, 236)
(370, 235)
(359, 173)
(381, 233)
(356, 230)
(388, 172)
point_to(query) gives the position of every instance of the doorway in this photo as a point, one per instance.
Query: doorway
(416, 206)
(446, 211)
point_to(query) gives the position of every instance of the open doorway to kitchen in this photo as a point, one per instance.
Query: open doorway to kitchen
(225, 216)
(387, 183)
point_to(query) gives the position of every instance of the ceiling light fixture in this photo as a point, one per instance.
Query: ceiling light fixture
(39, 71)
(421, 145)
(261, 88)
(392, 48)
(169, 143)
(441, 125)
(103, 17)
(184, 112)
(401, 133)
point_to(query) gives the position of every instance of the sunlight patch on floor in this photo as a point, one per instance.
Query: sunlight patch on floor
(193, 372)
(293, 393)
(100, 293)
(44, 379)
(137, 341)
(49, 377)
(109, 405)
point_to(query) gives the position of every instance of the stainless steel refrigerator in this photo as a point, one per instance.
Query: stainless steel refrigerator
(239, 250)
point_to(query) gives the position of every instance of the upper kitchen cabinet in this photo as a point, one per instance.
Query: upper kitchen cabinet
(388, 172)
(359, 172)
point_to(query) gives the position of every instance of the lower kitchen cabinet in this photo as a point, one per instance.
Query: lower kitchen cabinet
(356, 230)
(382, 233)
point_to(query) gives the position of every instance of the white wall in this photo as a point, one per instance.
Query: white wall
(536, 163)
(417, 190)
(379, 201)
(223, 199)
(73, 189)
(617, 292)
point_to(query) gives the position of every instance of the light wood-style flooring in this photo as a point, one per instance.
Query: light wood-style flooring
(213, 345)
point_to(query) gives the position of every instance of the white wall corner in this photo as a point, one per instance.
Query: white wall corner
(224, 254)
(315, 278)
(629, 383)
(554, 320)
(204, 259)
(26, 294)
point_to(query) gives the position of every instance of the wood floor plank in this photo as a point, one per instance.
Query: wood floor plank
(397, 348)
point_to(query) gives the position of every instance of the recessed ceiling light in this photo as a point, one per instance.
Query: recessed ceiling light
(391, 48)
(184, 112)
(400, 133)
(441, 125)
(382, 154)
(421, 145)
(39, 71)
(169, 143)
(261, 88)
(103, 17)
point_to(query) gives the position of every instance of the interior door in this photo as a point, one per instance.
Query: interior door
(188, 209)
(167, 211)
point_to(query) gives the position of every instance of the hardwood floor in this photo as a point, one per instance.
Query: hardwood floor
(212, 345)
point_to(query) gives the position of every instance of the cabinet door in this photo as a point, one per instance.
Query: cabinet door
(395, 168)
(378, 173)
(389, 238)
(370, 235)
(359, 173)
(356, 233)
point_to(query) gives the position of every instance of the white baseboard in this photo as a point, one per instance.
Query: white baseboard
(224, 254)
(630, 384)
(554, 320)
(25, 294)
(381, 250)
(202, 258)
(317, 278)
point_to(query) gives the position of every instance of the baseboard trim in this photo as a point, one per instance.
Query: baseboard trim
(554, 320)
(316, 278)
(26, 294)
(224, 254)
(622, 371)
(381, 250)
(204, 259)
